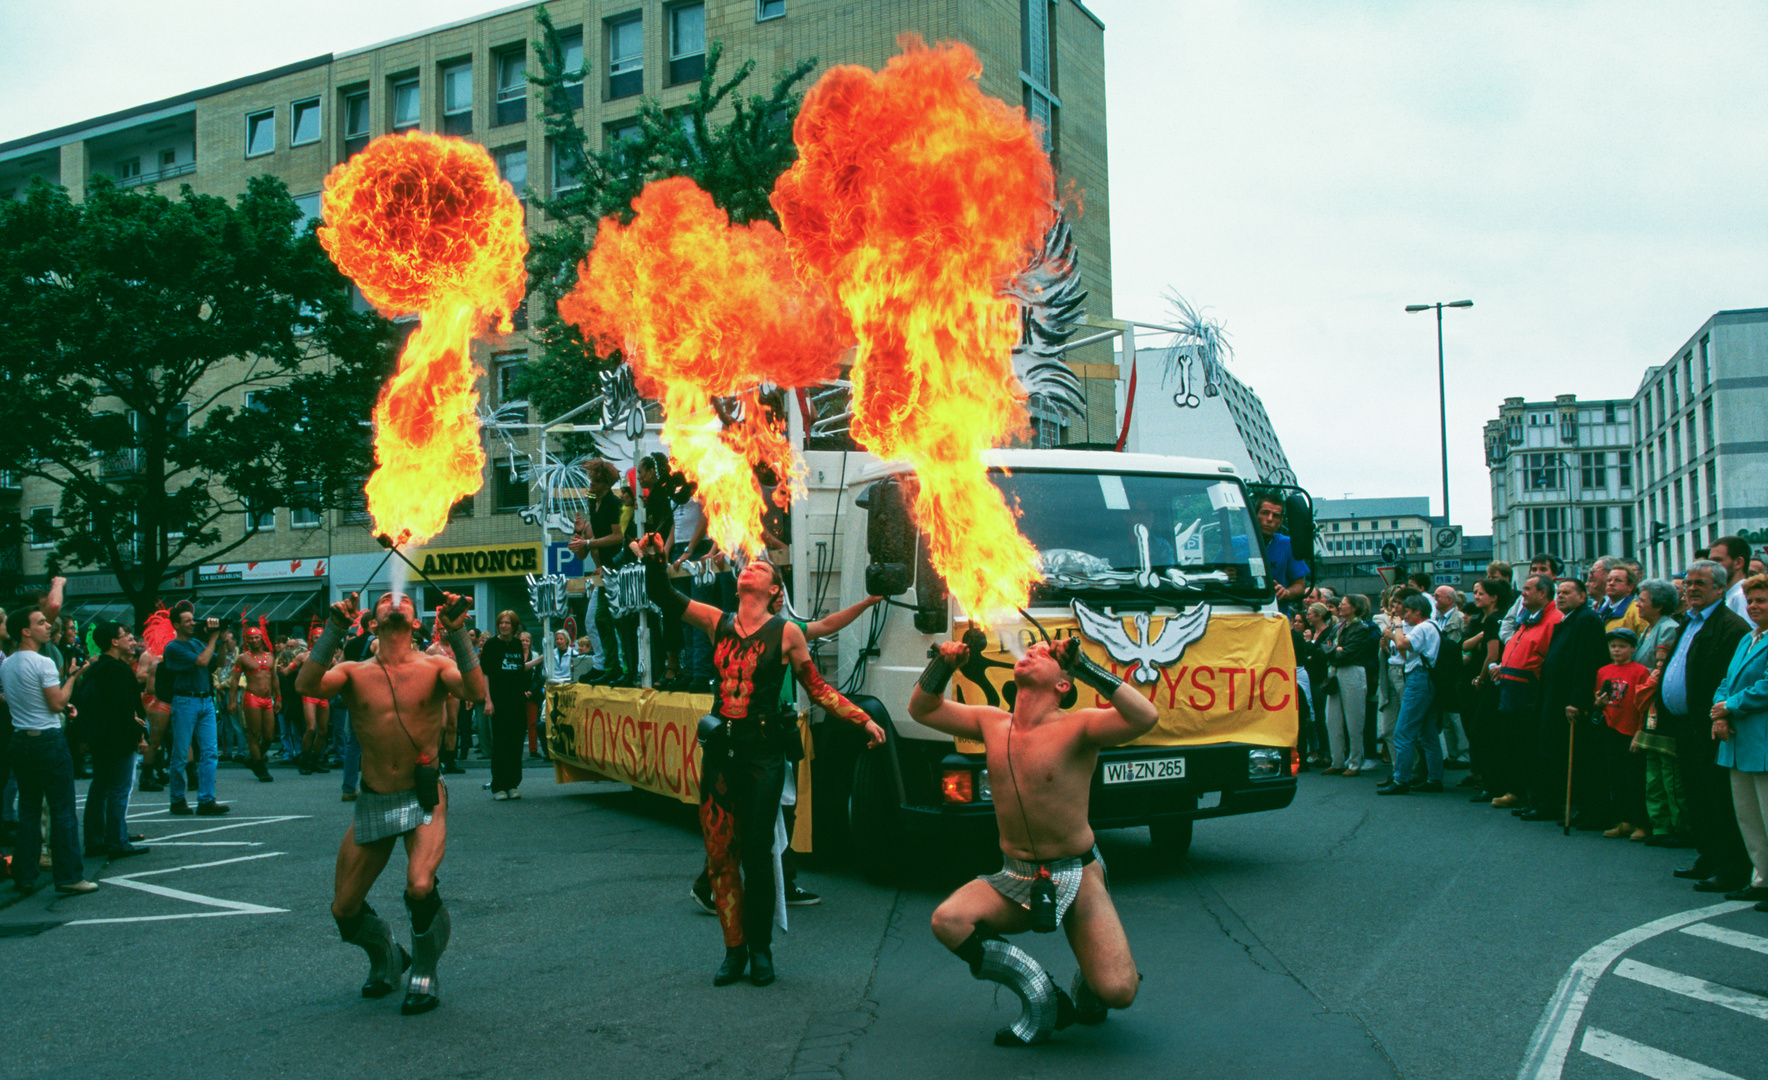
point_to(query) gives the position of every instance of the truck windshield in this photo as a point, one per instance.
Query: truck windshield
(1144, 535)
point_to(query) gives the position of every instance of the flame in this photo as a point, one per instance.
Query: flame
(422, 223)
(917, 198)
(704, 309)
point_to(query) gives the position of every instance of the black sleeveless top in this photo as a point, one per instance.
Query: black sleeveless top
(751, 671)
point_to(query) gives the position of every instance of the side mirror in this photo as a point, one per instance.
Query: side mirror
(887, 579)
(890, 530)
(1298, 517)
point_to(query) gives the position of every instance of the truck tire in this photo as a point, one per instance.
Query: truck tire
(1171, 836)
(874, 829)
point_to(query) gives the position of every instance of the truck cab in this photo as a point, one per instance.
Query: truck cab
(1156, 564)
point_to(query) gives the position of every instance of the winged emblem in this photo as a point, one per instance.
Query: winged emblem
(1146, 656)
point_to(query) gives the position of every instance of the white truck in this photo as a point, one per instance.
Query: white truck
(1154, 562)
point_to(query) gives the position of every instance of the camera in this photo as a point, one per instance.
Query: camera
(1043, 902)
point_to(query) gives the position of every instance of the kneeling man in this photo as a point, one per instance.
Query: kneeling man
(1040, 766)
(396, 701)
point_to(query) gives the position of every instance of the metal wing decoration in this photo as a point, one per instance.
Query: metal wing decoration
(1147, 657)
(1050, 303)
(1201, 340)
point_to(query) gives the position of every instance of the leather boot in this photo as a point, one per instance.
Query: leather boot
(426, 951)
(736, 960)
(761, 969)
(386, 958)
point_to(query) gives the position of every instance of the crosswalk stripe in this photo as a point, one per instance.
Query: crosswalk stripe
(1646, 1060)
(1726, 936)
(1691, 987)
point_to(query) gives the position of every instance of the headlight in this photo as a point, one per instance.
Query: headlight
(1265, 763)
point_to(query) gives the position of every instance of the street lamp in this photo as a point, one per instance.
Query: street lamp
(1442, 391)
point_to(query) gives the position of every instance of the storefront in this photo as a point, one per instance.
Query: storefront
(290, 593)
(493, 575)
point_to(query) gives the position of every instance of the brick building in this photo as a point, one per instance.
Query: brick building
(468, 79)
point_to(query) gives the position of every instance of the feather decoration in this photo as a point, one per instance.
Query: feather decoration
(1051, 303)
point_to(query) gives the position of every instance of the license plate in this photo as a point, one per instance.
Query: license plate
(1144, 771)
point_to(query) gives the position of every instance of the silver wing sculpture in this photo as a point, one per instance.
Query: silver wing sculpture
(1146, 656)
(1050, 303)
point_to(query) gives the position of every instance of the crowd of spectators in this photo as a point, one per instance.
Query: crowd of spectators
(1633, 708)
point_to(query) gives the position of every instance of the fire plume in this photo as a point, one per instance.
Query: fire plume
(704, 309)
(423, 224)
(916, 198)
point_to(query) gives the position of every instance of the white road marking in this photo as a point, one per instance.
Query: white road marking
(208, 843)
(148, 813)
(1646, 1060)
(1690, 987)
(1552, 1040)
(226, 907)
(1728, 937)
(235, 823)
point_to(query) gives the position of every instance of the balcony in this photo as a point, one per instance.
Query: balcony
(167, 173)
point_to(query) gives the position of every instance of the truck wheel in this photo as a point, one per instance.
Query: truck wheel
(1172, 836)
(873, 828)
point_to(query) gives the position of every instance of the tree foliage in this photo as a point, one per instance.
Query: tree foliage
(131, 324)
(735, 156)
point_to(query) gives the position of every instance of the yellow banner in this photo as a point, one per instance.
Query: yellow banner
(1235, 683)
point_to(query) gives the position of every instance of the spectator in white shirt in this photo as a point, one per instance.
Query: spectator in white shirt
(1733, 553)
(40, 758)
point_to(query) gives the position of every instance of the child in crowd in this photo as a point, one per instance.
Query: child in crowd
(1623, 690)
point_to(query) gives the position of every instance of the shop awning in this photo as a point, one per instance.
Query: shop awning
(277, 606)
(86, 612)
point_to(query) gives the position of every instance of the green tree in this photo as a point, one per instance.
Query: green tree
(129, 322)
(735, 156)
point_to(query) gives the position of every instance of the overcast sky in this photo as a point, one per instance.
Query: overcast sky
(1591, 175)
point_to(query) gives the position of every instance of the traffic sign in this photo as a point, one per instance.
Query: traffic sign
(1447, 579)
(1390, 552)
(1448, 538)
(1387, 573)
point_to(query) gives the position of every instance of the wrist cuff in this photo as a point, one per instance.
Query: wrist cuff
(331, 637)
(466, 658)
(938, 674)
(1090, 673)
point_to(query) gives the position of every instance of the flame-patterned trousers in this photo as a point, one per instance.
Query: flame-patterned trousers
(737, 809)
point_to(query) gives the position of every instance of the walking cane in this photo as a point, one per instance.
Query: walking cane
(1571, 738)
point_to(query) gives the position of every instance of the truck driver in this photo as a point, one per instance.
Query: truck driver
(1051, 873)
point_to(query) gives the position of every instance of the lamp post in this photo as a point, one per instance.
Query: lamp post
(1442, 390)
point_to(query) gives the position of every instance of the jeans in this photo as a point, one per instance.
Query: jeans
(45, 770)
(193, 717)
(1417, 729)
(107, 800)
(351, 750)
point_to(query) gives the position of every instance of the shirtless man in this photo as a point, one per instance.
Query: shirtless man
(260, 699)
(451, 711)
(1046, 842)
(159, 720)
(396, 701)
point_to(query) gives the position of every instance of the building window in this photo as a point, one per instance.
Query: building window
(1593, 471)
(462, 508)
(1608, 413)
(1595, 531)
(261, 133)
(1636, 428)
(1546, 527)
(457, 99)
(1706, 421)
(308, 205)
(1675, 398)
(1712, 487)
(1037, 67)
(564, 170)
(1626, 469)
(1335, 526)
(42, 522)
(508, 368)
(260, 518)
(406, 106)
(304, 122)
(512, 86)
(769, 9)
(687, 43)
(355, 122)
(1541, 472)
(1681, 508)
(304, 508)
(129, 169)
(1660, 404)
(1706, 363)
(1047, 432)
(1694, 495)
(626, 57)
(512, 165)
(1688, 372)
(571, 59)
(1627, 533)
(511, 491)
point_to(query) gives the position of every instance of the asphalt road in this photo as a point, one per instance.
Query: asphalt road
(1348, 936)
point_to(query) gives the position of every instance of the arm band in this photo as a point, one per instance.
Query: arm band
(667, 597)
(938, 674)
(465, 656)
(1084, 670)
(330, 639)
